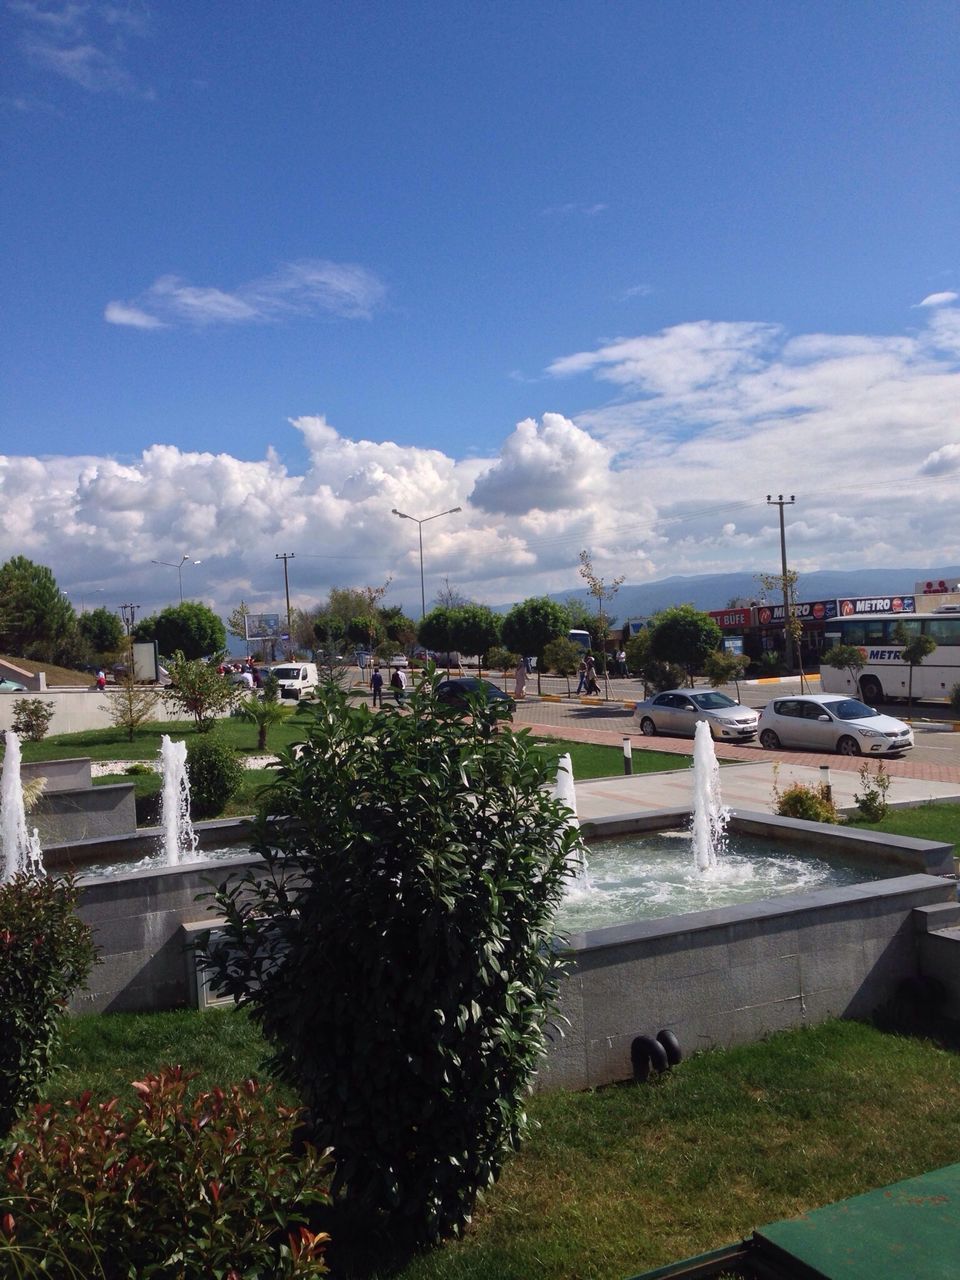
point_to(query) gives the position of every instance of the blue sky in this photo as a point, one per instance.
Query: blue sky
(603, 275)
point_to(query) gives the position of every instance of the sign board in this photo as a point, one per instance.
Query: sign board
(806, 610)
(146, 665)
(734, 645)
(877, 604)
(936, 586)
(263, 626)
(738, 617)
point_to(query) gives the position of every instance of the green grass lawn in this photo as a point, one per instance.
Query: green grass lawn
(622, 1179)
(934, 821)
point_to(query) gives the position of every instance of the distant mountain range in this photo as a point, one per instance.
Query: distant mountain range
(716, 590)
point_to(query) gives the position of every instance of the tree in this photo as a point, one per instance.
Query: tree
(237, 621)
(102, 630)
(475, 630)
(437, 628)
(845, 657)
(914, 650)
(437, 837)
(601, 591)
(37, 621)
(264, 714)
(685, 636)
(450, 597)
(723, 668)
(400, 629)
(562, 656)
(786, 588)
(199, 690)
(130, 704)
(189, 628)
(530, 626)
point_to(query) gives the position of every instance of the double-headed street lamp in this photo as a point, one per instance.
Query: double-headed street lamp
(179, 568)
(420, 523)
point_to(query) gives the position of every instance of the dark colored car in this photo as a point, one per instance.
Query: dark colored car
(457, 693)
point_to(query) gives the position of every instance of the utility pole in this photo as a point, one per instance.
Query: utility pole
(286, 586)
(781, 502)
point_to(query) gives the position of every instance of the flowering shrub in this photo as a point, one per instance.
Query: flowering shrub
(171, 1188)
(46, 953)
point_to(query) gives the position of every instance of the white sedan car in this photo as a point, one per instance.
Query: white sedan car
(831, 722)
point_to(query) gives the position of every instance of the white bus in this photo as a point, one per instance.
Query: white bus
(885, 676)
(580, 638)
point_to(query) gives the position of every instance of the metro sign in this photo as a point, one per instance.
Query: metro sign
(877, 604)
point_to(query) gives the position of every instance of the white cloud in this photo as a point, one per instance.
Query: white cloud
(938, 299)
(83, 43)
(309, 287)
(123, 314)
(671, 478)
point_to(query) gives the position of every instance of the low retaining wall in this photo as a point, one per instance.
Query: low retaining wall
(733, 975)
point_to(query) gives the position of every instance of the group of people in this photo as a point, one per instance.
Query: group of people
(398, 683)
(248, 672)
(587, 670)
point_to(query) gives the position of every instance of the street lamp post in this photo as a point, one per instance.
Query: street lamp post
(179, 568)
(420, 523)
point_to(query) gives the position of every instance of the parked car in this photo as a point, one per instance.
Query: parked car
(12, 686)
(831, 722)
(679, 711)
(398, 660)
(457, 693)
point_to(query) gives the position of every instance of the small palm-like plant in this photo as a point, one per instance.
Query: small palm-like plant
(263, 714)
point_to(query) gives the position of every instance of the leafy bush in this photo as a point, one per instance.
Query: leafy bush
(46, 953)
(199, 690)
(955, 698)
(216, 774)
(663, 675)
(815, 804)
(170, 1188)
(31, 718)
(398, 952)
(872, 803)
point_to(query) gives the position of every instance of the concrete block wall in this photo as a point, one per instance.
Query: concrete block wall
(67, 816)
(733, 975)
(75, 710)
(136, 920)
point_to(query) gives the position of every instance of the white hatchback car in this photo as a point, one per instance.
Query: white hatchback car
(831, 722)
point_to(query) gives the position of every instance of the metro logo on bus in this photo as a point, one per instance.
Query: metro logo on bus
(883, 655)
(877, 604)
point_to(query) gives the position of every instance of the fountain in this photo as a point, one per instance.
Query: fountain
(19, 847)
(709, 823)
(179, 840)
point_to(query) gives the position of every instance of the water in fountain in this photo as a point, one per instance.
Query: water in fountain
(565, 792)
(19, 846)
(709, 822)
(179, 837)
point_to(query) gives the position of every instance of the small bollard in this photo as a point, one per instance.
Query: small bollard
(825, 786)
(627, 756)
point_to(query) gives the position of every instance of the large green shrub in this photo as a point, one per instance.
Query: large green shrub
(46, 953)
(812, 803)
(216, 774)
(398, 954)
(166, 1189)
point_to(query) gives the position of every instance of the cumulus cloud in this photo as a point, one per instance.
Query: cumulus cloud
(551, 467)
(942, 461)
(669, 479)
(938, 299)
(308, 287)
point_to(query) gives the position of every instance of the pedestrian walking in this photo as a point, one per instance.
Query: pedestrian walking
(398, 683)
(582, 673)
(520, 679)
(376, 684)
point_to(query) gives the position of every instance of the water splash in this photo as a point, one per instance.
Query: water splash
(179, 838)
(19, 846)
(563, 789)
(709, 822)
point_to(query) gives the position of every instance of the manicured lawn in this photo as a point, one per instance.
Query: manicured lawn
(939, 821)
(626, 1178)
(591, 761)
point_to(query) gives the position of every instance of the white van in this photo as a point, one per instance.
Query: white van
(297, 679)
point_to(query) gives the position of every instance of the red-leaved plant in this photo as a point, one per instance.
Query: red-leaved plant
(169, 1187)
